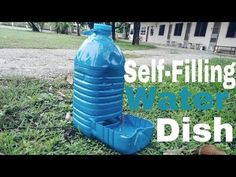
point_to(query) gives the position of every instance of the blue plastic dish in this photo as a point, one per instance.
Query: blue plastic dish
(127, 134)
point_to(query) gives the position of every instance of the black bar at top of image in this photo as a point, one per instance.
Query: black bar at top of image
(117, 11)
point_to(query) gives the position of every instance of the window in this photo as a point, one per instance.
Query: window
(143, 30)
(151, 31)
(231, 30)
(161, 30)
(200, 29)
(178, 29)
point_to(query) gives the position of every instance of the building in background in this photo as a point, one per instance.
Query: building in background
(212, 36)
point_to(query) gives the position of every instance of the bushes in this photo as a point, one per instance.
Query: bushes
(63, 27)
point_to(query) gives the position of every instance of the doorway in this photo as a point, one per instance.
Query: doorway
(214, 35)
(186, 37)
(169, 34)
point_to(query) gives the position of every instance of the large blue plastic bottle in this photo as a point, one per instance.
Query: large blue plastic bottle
(98, 91)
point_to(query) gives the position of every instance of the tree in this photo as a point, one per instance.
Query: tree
(36, 26)
(114, 27)
(33, 26)
(78, 28)
(127, 28)
(113, 24)
(123, 27)
(41, 25)
(136, 33)
(62, 27)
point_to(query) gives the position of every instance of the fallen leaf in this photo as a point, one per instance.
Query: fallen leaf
(50, 90)
(209, 150)
(61, 96)
(68, 116)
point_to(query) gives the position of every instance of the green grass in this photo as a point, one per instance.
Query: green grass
(28, 111)
(11, 38)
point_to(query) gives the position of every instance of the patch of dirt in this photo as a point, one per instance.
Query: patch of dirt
(58, 63)
(39, 63)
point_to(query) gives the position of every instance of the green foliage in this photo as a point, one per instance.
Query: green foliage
(119, 26)
(62, 27)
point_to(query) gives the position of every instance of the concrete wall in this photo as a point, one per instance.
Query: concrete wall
(155, 30)
(222, 40)
(143, 37)
(193, 40)
(130, 29)
(178, 39)
(203, 40)
(156, 38)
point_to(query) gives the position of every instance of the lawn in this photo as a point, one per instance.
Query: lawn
(32, 118)
(11, 38)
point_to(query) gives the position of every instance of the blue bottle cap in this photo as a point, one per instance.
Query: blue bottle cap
(102, 27)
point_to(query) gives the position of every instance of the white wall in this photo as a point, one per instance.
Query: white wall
(153, 37)
(178, 39)
(143, 37)
(204, 40)
(156, 38)
(130, 29)
(163, 39)
(222, 40)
